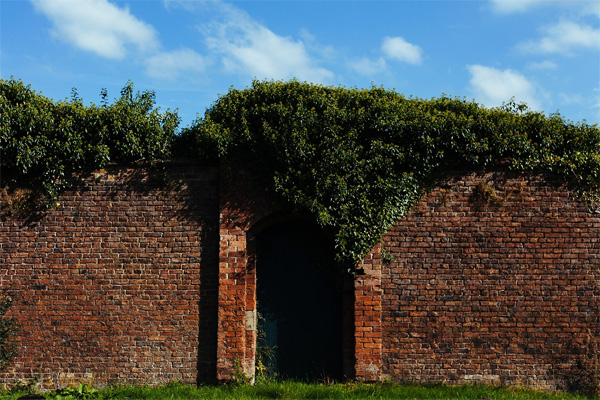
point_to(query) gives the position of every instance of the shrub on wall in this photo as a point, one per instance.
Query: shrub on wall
(43, 141)
(358, 159)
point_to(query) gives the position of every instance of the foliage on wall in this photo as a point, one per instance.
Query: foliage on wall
(43, 141)
(357, 159)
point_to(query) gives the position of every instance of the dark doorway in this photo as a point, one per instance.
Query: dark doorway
(300, 303)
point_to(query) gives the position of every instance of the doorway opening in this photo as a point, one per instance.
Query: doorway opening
(299, 301)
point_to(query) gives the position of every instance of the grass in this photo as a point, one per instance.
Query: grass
(300, 390)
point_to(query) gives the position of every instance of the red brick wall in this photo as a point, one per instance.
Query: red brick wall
(490, 277)
(118, 283)
(497, 287)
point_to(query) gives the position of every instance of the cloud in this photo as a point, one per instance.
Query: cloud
(97, 26)
(247, 46)
(592, 8)
(493, 87)
(513, 6)
(313, 46)
(168, 4)
(543, 65)
(392, 48)
(564, 38)
(366, 66)
(397, 48)
(508, 6)
(169, 65)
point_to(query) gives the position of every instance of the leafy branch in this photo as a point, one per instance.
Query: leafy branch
(357, 160)
(43, 142)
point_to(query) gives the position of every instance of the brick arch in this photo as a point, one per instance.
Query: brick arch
(245, 211)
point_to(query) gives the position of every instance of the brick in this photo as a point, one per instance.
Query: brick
(515, 290)
(115, 312)
(136, 285)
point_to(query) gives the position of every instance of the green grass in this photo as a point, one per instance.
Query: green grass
(300, 390)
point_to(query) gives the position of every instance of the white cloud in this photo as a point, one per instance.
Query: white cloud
(508, 6)
(248, 47)
(565, 37)
(513, 6)
(399, 49)
(542, 65)
(592, 8)
(311, 43)
(97, 26)
(367, 67)
(493, 87)
(169, 65)
(168, 4)
(392, 48)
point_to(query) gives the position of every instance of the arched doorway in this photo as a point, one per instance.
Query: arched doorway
(299, 301)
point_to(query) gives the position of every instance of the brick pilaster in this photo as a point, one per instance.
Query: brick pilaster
(367, 318)
(231, 333)
(241, 206)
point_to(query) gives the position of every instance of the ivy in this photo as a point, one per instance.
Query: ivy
(358, 159)
(354, 159)
(43, 142)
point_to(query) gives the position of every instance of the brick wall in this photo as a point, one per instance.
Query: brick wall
(131, 278)
(117, 283)
(492, 278)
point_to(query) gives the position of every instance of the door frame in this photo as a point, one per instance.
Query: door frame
(245, 210)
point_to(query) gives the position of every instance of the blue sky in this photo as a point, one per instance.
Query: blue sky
(545, 53)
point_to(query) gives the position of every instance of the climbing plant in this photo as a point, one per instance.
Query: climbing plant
(43, 142)
(358, 159)
(355, 159)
